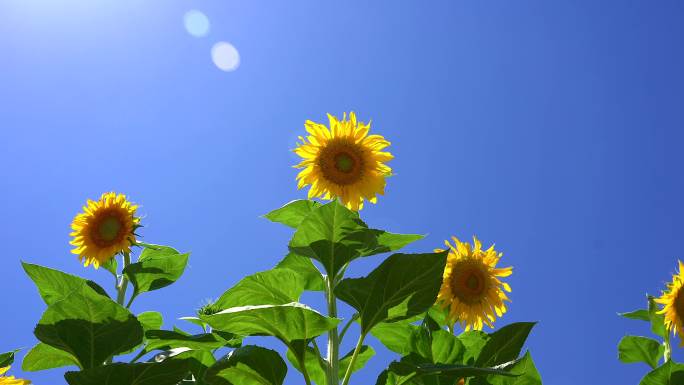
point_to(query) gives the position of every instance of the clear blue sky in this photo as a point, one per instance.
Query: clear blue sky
(553, 128)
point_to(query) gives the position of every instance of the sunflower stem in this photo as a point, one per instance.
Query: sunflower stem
(123, 283)
(357, 349)
(667, 353)
(333, 340)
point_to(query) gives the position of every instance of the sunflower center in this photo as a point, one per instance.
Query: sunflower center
(468, 283)
(679, 303)
(109, 228)
(344, 162)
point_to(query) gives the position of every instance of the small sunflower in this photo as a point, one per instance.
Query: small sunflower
(11, 380)
(471, 291)
(104, 228)
(673, 301)
(343, 161)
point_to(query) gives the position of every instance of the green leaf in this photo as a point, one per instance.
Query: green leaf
(89, 326)
(313, 279)
(199, 361)
(293, 213)
(669, 373)
(524, 368)
(640, 349)
(446, 348)
(111, 266)
(271, 287)
(248, 365)
(334, 235)
(396, 336)
(54, 285)
(473, 341)
(44, 356)
(157, 267)
(315, 365)
(411, 369)
(166, 339)
(365, 354)
(641, 314)
(505, 344)
(168, 372)
(331, 234)
(287, 322)
(402, 286)
(657, 320)
(150, 320)
(7, 358)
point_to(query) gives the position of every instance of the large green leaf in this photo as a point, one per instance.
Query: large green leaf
(288, 322)
(271, 287)
(168, 372)
(315, 365)
(44, 356)
(525, 370)
(334, 235)
(669, 373)
(473, 341)
(446, 348)
(505, 344)
(157, 267)
(365, 354)
(411, 370)
(640, 349)
(150, 320)
(89, 326)
(199, 361)
(396, 336)
(54, 285)
(293, 213)
(248, 365)
(313, 279)
(167, 339)
(402, 286)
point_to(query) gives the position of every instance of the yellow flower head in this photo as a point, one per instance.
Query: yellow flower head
(11, 380)
(104, 228)
(673, 299)
(343, 161)
(471, 290)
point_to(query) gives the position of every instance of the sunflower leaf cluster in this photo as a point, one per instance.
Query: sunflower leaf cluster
(430, 308)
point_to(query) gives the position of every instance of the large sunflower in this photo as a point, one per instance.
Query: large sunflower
(471, 290)
(106, 227)
(343, 161)
(673, 299)
(11, 380)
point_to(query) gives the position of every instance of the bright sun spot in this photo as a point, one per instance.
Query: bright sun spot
(196, 23)
(225, 56)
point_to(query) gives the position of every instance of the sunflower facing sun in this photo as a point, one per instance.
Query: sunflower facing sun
(106, 227)
(471, 291)
(673, 301)
(343, 161)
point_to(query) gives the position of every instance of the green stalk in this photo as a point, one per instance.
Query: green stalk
(667, 354)
(333, 340)
(123, 283)
(357, 349)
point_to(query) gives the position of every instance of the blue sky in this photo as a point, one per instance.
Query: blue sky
(553, 129)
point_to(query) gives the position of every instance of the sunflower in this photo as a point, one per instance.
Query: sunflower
(106, 227)
(673, 299)
(471, 291)
(343, 161)
(11, 380)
